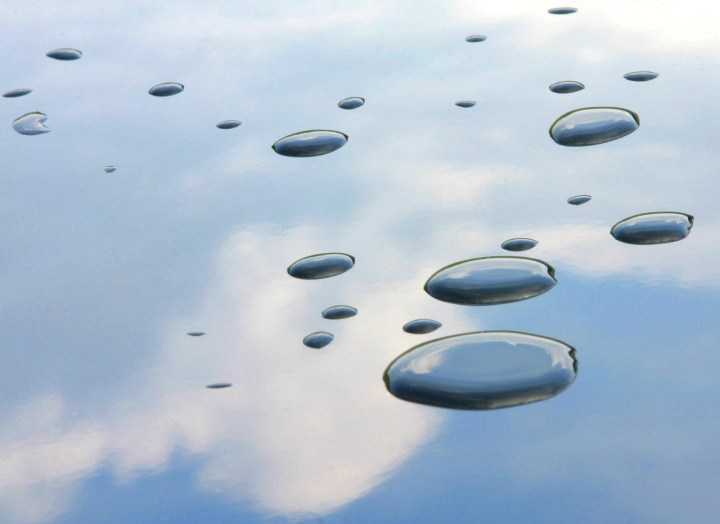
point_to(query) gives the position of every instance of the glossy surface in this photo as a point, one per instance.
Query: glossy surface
(566, 86)
(593, 125)
(324, 265)
(421, 326)
(519, 244)
(110, 169)
(351, 103)
(562, 10)
(339, 312)
(31, 124)
(476, 38)
(166, 89)
(640, 76)
(64, 54)
(14, 93)
(579, 200)
(310, 143)
(653, 228)
(228, 124)
(465, 103)
(318, 340)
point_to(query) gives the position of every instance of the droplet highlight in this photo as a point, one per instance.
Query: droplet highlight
(351, 103)
(318, 340)
(579, 200)
(324, 265)
(641, 76)
(110, 169)
(65, 53)
(566, 86)
(228, 124)
(196, 333)
(339, 312)
(476, 38)
(14, 93)
(653, 228)
(562, 10)
(310, 143)
(465, 103)
(166, 89)
(519, 244)
(219, 385)
(31, 124)
(593, 125)
(421, 326)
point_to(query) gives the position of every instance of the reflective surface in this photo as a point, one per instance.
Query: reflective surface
(110, 169)
(566, 86)
(475, 38)
(519, 244)
(578, 200)
(324, 265)
(166, 89)
(593, 125)
(421, 326)
(653, 228)
(65, 54)
(339, 312)
(641, 76)
(228, 124)
(351, 103)
(14, 93)
(318, 340)
(562, 10)
(465, 103)
(31, 124)
(310, 143)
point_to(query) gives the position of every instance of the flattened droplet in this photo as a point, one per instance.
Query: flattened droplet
(219, 385)
(641, 76)
(196, 333)
(166, 89)
(318, 340)
(64, 53)
(579, 200)
(421, 326)
(310, 143)
(14, 93)
(566, 86)
(519, 244)
(339, 312)
(562, 10)
(351, 103)
(324, 265)
(653, 228)
(491, 280)
(476, 38)
(465, 103)
(483, 370)
(31, 124)
(228, 124)
(110, 169)
(593, 125)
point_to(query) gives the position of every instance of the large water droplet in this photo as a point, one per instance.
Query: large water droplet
(14, 93)
(166, 89)
(475, 38)
(579, 199)
(310, 143)
(351, 103)
(491, 280)
(566, 86)
(324, 265)
(653, 228)
(519, 244)
(318, 340)
(219, 385)
(339, 312)
(110, 169)
(641, 76)
(421, 326)
(484, 370)
(465, 103)
(562, 10)
(228, 124)
(64, 53)
(593, 125)
(31, 124)
(196, 333)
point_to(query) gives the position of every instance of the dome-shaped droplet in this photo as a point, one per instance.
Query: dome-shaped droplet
(593, 125)
(351, 103)
(110, 169)
(196, 333)
(484, 370)
(421, 326)
(641, 76)
(653, 228)
(318, 340)
(566, 86)
(64, 53)
(14, 93)
(491, 280)
(579, 199)
(310, 143)
(31, 124)
(166, 89)
(228, 124)
(219, 385)
(519, 244)
(562, 10)
(475, 38)
(465, 103)
(323, 265)
(339, 312)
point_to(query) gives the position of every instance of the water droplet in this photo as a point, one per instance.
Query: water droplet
(324, 265)
(562, 10)
(483, 370)
(219, 385)
(110, 169)
(465, 103)
(318, 340)
(579, 199)
(566, 86)
(310, 143)
(491, 280)
(339, 312)
(593, 125)
(351, 103)
(421, 326)
(228, 124)
(196, 333)
(519, 244)
(31, 124)
(641, 76)
(64, 53)
(653, 228)
(17, 92)
(475, 38)
(166, 89)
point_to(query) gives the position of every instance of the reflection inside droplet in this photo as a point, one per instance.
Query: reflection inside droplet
(166, 89)
(64, 53)
(421, 326)
(465, 103)
(31, 124)
(110, 169)
(562, 10)
(351, 103)
(196, 333)
(14, 93)
(519, 244)
(653, 228)
(593, 125)
(228, 124)
(321, 266)
(318, 340)
(475, 38)
(310, 143)
(219, 385)
(566, 86)
(339, 312)
(579, 199)
(640, 76)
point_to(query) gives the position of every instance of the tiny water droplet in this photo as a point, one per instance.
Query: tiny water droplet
(219, 385)
(465, 103)
(318, 340)
(579, 200)
(421, 326)
(491, 280)
(519, 244)
(31, 124)
(14, 93)
(166, 89)
(482, 370)
(593, 125)
(339, 312)
(196, 333)
(324, 265)
(351, 103)
(653, 228)
(641, 76)
(310, 143)
(475, 38)
(110, 169)
(64, 53)
(228, 124)
(566, 86)
(562, 10)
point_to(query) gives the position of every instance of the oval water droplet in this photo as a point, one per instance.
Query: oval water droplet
(593, 125)
(483, 370)
(339, 312)
(562, 10)
(653, 228)
(31, 124)
(219, 385)
(475, 38)
(228, 124)
(166, 89)
(310, 143)
(14, 93)
(566, 86)
(196, 333)
(64, 53)
(491, 280)
(324, 265)
(421, 326)
(110, 169)
(579, 199)
(465, 103)
(641, 76)
(318, 340)
(351, 103)
(519, 244)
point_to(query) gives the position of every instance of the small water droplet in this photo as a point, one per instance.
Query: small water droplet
(339, 312)
(482, 370)
(641, 76)
(593, 125)
(421, 326)
(562, 10)
(465, 103)
(351, 103)
(219, 385)
(166, 89)
(475, 38)
(196, 333)
(491, 280)
(228, 124)
(310, 143)
(566, 86)
(579, 200)
(318, 340)
(653, 228)
(64, 53)
(519, 244)
(14, 93)
(31, 124)
(110, 169)
(324, 265)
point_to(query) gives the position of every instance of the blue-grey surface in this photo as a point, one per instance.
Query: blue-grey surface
(566, 86)
(421, 326)
(104, 415)
(590, 126)
(653, 228)
(339, 312)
